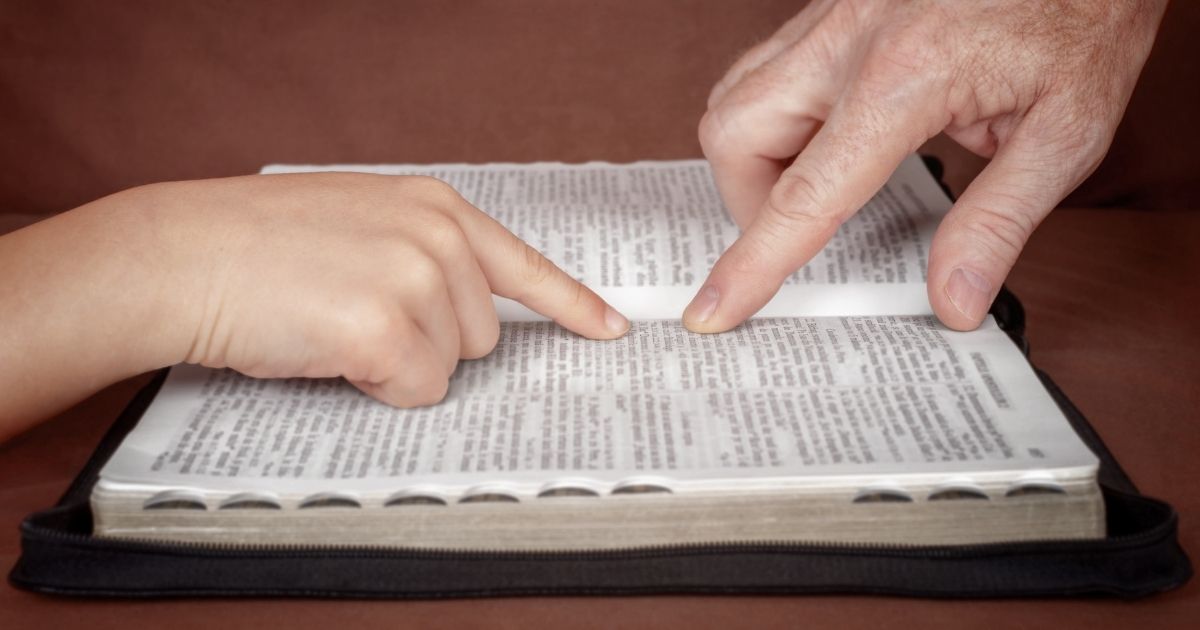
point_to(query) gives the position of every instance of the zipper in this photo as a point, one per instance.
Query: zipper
(1154, 534)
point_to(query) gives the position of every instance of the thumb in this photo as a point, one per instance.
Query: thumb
(979, 241)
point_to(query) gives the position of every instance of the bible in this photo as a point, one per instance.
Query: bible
(843, 412)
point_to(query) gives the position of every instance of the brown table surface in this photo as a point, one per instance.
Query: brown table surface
(1112, 299)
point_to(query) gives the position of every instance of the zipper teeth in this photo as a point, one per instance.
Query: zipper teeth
(745, 546)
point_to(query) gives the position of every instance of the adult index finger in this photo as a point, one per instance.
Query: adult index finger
(846, 163)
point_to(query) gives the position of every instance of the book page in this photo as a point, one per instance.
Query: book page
(821, 402)
(645, 235)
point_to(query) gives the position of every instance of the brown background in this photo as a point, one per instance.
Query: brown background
(100, 96)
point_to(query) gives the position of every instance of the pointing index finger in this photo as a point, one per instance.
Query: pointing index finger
(844, 165)
(516, 270)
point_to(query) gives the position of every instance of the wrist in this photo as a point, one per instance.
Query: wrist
(175, 265)
(90, 297)
(142, 279)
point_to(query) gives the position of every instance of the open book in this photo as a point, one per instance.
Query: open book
(843, 412)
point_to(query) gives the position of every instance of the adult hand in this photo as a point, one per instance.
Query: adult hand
(386, 281)
(808, 125)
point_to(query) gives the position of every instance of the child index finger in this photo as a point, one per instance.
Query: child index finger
(518, 271)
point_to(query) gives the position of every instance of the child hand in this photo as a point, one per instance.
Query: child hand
(386, 281)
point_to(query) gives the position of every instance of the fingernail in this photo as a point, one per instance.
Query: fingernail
(970, 293)
(703, 305)
(616, 322)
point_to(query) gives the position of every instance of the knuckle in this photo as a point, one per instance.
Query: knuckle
(580, 295)
(798, 199)
(753, 259)
(721, 129)
(422, 278)
(794, 196)
(900, 57)
(437, 391)
(431, 189)
(1083, 139)
(711, 132)
(1072, 135)
(884, 78)
(537, 270)
(366, 323)
(1002, 233)
(411, 383)
(754, 56)
(429, 391)
(443, 234)
(482, 341)
(1093, 140)
(718, 90)
(452, 364)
